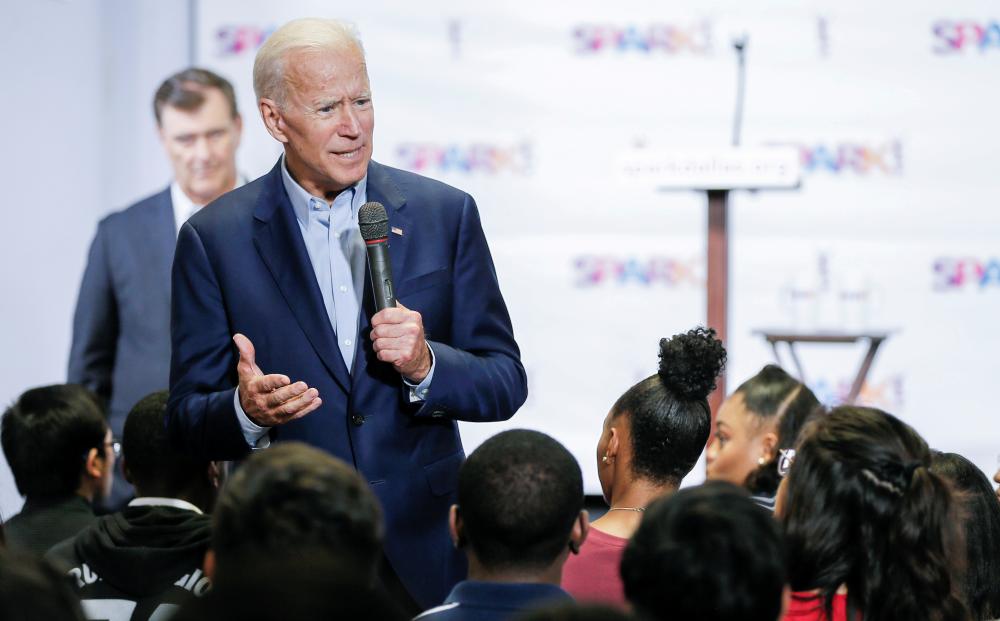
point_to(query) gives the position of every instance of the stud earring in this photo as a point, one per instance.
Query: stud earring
(761, 461)
(604, 459)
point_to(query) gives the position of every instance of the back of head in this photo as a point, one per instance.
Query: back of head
(153, 464)
(981, 522)
(706, 552)
(518, 496)
(774, 395)
(185, 90)
(30, 589)
(863, 509)
(291, 499)
(668, 412)
(46, 436)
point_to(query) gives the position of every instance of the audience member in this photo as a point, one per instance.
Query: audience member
(308, 587)
(62, 456)
(32, 590)
(121, 327)
(290, 500)
(651, 439)
(755, 424)
(519, 514)
(707, 553)
(148, 557)
(981, 529)
(869, 528)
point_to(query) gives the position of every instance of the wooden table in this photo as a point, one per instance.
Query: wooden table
(874, 340)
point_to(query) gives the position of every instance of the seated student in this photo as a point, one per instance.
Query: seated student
(981, 531)
(148, 557)
(62, 456)
(31, 589)
(759, 421)
(519, 515)
(291, 500)
(868, 526)
(652, 438)
(707, 553)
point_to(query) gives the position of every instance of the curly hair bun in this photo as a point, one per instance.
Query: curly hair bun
(691, 362)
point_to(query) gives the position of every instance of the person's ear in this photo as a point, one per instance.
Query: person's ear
(238, 126)
(208, 565)
(94, 464)
(614, 444)
(578, 534)
(270, 112)
(769, 446)
(455, 527)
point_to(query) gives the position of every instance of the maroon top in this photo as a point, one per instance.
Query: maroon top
(809, 607)
(592, 575)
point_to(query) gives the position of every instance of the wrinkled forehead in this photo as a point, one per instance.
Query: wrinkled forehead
(327, 68)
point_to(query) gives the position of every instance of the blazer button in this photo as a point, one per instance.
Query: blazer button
(357, 419)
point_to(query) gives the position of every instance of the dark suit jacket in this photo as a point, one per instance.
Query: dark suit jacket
(42, 523)
(241, 266)
(121, 328)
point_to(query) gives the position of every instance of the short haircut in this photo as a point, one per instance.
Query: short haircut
(981, 521)
(708, 553)
(291, 499)
(518, 496)
(308, 33)
(32, 589)
(775, 395)
(185, 90)
(150, 457)
(46, 436)
(668, 412)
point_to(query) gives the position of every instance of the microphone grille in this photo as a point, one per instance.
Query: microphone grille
(373, 221)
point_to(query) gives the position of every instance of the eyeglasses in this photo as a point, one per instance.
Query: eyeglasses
(116, 446)
(787, 456)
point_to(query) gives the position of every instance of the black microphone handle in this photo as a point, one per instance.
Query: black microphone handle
(381, 274)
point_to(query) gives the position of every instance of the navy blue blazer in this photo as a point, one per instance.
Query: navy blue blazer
(121, 327)
(241, 266)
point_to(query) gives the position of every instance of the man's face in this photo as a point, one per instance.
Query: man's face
(201, 145)
(327, 119)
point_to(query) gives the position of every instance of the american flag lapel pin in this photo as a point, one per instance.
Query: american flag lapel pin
(397, 231)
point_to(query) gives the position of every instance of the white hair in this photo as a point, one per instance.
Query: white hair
(309, 33)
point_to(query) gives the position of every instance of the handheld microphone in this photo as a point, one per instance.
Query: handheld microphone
(374, 225)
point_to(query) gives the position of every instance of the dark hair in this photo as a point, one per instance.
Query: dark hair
(864, 510)
(981, 526)
(151, 460)
(309, 587)
(31, 589)
(291, 499)
(47, 435)
(774, 394)
(574, 612)
(668, 412)
(706, 552)
(185, 90)
(518, 496)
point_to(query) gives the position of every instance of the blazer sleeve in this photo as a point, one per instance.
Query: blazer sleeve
(95, 323)
(478, 375)
(200, 413)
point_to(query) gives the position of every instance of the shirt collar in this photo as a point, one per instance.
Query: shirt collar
(301, 199)
(155, 501)
(506, 595)
(184, 207)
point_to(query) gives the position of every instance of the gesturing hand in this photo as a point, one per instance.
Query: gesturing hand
(270, 400)
(398, 338)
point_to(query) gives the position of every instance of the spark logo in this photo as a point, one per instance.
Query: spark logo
(886, 394)
(656, 38)
(952, 273)
(234, 40)
(955, 37)
(852, 158)
(654, 271)
(474, 158)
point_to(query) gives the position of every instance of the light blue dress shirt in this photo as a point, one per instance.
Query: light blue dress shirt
(337, 253)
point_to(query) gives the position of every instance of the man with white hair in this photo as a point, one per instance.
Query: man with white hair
(279, 271)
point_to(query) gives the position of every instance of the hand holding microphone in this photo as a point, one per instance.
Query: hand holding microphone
(397, 332)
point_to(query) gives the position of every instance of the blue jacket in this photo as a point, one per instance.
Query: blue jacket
(241, 266)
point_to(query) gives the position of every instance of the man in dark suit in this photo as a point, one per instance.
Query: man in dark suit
(121, 328)
(278, 266)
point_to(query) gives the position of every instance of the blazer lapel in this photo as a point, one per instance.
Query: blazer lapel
(279, 242)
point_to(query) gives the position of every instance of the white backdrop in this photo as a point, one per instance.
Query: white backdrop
(528, 104)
